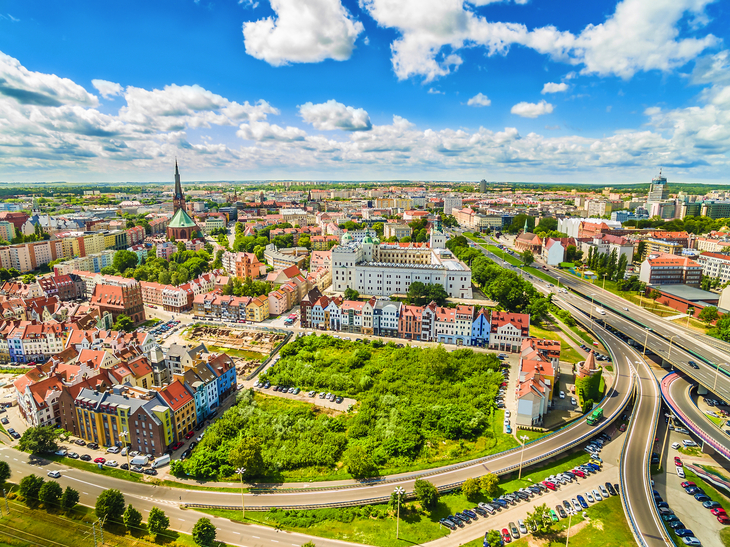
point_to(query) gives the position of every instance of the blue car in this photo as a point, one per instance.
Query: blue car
(471, 514)
(502, 503)
(593, 466)
(684, 533)
(702, 497)
(582, 502)
(676, 525)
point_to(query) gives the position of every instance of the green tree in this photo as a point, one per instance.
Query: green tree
(248, 454)
(40, 439)
(204, 532)
(494, 537)
(124, 259)
(157, 522)
(28, 279)
(359, 462)
(426, 493)
(4, 472)
(108, 270)
(379, 227)
(132, 518)
(351, 294)
(471, 488)
(708, 315)
(69, 499)
(654, 295)
(621, 268)
(123, 323)
(490, 484)
(527, 257)
(29, 488)
(110, 506)
(540, 518)
(50, 494)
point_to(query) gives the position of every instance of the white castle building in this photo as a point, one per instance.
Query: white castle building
(384, 269)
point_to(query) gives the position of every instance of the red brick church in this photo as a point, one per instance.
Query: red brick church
(181, 226)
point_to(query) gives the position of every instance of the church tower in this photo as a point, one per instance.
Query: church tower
(178, 198)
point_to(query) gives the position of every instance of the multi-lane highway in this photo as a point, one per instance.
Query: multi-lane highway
(672, 342)
(676, 393)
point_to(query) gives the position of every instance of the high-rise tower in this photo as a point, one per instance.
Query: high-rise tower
(658, 191)
(178, 198)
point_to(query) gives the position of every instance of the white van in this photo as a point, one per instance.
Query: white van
(162, 460)
(140, 460)
(687, 442)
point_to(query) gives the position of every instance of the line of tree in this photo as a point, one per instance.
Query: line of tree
(608, 265)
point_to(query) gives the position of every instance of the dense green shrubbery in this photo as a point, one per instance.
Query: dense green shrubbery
(407, 398)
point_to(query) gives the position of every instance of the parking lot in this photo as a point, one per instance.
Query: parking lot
(567, 493)
(684, 507)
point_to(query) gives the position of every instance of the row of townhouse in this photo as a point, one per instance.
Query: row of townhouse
(461, 325)
(538, 375)
(113, 403)
(231, 308)
(178, 299)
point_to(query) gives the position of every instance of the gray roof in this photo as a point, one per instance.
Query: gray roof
(689, 293)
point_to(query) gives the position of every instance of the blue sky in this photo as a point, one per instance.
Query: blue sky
(540, 90)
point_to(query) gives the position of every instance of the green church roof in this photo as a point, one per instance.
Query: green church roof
(181, 220)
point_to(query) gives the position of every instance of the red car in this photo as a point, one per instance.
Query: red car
(504, 384)
(678, 462)
(687, 484)
(189, 435)
(176, 446)
(505, 536)
(722, 519)
(718, 511)
(99, 460)
(622, 428)
(549, 485)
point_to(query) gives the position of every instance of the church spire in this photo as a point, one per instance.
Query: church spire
(526, 228)
(178, 198)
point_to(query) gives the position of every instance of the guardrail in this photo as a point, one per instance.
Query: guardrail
(694, 428)
(266, 361)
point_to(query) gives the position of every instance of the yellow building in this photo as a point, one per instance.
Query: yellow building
(182, 403)
(258, 309)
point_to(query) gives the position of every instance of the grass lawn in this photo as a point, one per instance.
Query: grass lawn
(607, 527)
(725, 536)
(567, 353)
(33, 527)
(709, 489)
(533, 435)
(717, 421)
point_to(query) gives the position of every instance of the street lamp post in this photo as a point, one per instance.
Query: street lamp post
(604, 281)
(558, 283)
(524, 439)
(592, 296)
(240, 471)
(398, 492)
(670, 346)
(646, 341)
(125, 434)
(567, 539)
(717, 373)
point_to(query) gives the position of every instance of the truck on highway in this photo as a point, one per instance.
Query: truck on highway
(595, 416)
(600, 311)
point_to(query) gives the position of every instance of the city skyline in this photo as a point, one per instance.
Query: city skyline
(371, 90)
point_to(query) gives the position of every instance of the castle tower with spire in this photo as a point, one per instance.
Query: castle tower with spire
(178, 198)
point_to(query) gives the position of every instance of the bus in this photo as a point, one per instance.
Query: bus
(595, 416)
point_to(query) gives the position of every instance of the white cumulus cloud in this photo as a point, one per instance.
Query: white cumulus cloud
(36, 88)
(532, 110)
(638, 36)
(265, 131)
(333, 115)
(302, 32)
(107, 89)
(479, 100)
(552, 87)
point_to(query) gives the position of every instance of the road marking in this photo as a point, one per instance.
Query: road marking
(274, 541)
(85, 493)
(257, 537)
(181, 519)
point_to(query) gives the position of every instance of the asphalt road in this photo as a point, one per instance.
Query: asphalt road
(679, 396)
(662, 335)
(673, 343)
